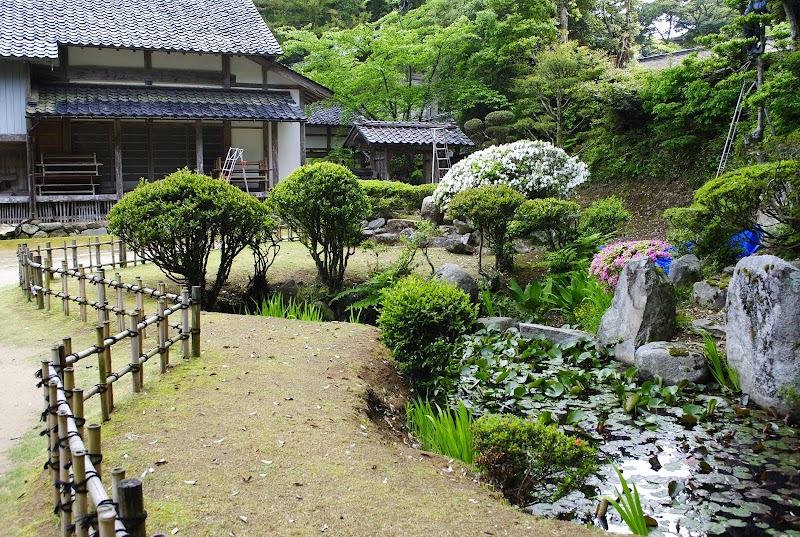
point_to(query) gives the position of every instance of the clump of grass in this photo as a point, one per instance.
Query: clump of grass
(725, 374)
(629, 506)
(274, 307)
(444, 431)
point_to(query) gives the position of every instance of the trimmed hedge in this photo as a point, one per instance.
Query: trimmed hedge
(388, 197)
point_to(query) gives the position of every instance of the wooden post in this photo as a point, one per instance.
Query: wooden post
(120, 304)
(65, 255)
(118, 159)
(131, 507)
(123, 254)
(162, 328)
(81, 506)
(111, 248)
(140, 305)
(274, 136)
(48, 253)
(67, 342)
(55, 466)
(65, 457)
(26, 274)
(95, 447)
(77, 409)
(47, 278)
(101, 295)
(109, 365)
(37, 281)
(69, 384)
(65, 289)
(106, 519)
(50, 423)
(198, 145)
(136, 372)
(196, 321)
(117, 475)
(82, 290)
(74, 248)
(97, 252)
(102, 372)
(185, 328)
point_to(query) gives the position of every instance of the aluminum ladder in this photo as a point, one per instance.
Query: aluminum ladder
(441, 156)
(234, 156)
(737, 114)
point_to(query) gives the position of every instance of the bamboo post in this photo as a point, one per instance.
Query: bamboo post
(48, 250)
(123, 254)
(106, 518)
(47, 278)
(65, 289)
(97, 251)
(162, 328)
(82, 290)
(136, 372)
(67, 342)
(131, 507)
(196, 294)
(105, 410)
(19, 264)
(120, 304)
(95, 447)
(77, 409)
(89, 249)
(80, 508)
(64, 456)
(49, 420)
(140, 303)
(74, 248)
(65, 255)
(101, 294)
(55, 465)
(37, 281)
(109, 365)
(111, 247)
(185, 329)
(26, 274)
(69, 384)
(117, 475)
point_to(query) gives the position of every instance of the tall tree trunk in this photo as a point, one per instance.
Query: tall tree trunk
(563, 19)
(791, 16)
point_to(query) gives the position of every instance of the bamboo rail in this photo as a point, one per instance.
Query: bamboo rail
(75, 454)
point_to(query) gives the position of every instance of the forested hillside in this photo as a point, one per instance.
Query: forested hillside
(564, 71)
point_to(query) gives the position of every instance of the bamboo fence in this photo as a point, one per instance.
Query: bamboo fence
(75, 455)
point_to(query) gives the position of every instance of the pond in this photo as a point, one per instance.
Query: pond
(705, 461)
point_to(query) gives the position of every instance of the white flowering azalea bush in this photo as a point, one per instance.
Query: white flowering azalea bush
(534, 168)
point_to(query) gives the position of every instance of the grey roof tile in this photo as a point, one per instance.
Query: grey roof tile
(34, 28)
(323, 113)
(410, 133)
(85, 100)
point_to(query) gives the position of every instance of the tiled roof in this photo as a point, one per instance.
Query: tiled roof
(78, 100)
(410, 133)
(324, 113)
(34, 28)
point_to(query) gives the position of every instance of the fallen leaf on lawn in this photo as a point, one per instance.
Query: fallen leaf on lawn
(243, 518)
(160, 462)
(190, 482)
(174, 531)
(324, 527)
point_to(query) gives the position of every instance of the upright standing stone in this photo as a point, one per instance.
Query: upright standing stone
(685, 271)
(430, 211)
(455, 274)
(763, 334)
(643, 310)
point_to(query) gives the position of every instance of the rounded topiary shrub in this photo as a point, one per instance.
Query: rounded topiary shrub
(325, 204)
(555, 218)
(421, 322)
(605, 216)
(529, 461)
(535, 169)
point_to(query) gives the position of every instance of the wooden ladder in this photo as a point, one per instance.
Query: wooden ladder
(441, 156)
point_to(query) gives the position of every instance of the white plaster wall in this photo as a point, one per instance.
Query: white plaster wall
(180, 60)
(274, 78)
(106, 57)
(251, 140)
(246, 70)
(288, 148)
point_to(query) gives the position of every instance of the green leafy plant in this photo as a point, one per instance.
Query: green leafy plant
(325, 204)
(394, 196)
(577, 255)
(604, 216)
(529, 461)
(421, 323)
(532, 302)
(725, 374)
(629, 506)
(275, 307)
(177, 221)
(555, 218)
(443, 430)
(490, 208)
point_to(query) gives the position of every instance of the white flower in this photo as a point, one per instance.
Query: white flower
(533, 168)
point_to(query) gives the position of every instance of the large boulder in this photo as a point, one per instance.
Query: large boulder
(673, 362)
(396, 225)
(462, 279)
(763, 341)
(7, 231)
(643, 310)
(499, 323)
(51, 226)
(710, 294)
(685, 271)
(430, 211)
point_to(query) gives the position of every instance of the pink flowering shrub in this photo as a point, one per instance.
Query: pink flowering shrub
(607, 264)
